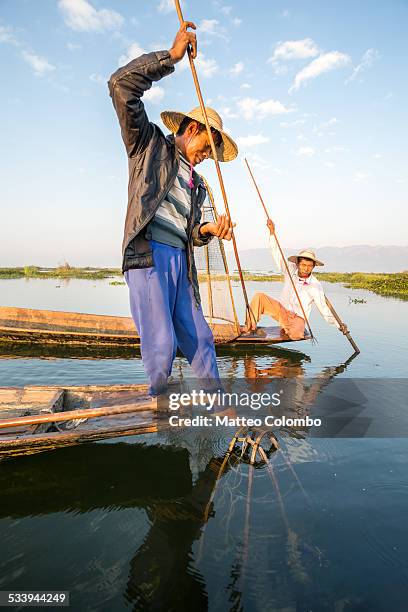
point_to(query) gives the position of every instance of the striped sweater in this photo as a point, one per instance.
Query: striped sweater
(169, 225)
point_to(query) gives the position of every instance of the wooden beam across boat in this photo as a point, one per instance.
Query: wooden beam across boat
(28, 325)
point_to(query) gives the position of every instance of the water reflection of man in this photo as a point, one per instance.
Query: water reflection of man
(302, 392)
(161, 573)
(287, 311)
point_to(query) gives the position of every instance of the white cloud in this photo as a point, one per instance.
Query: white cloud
(226, 9)
(254, 108)
(237, 68)
(167, 6)
(256, 161)
(329, 164)
(206, 67)
(280, 69)
(7, 36)
(294, 49)
(98, 78)
(400, 181)
(366, 61)
(285, 14)
(305, 151)
(211, 28)
(252, 140)
(80, 15)
(295, 123)
(324, 63)
(335, 149)
(237, 21)
(377, 156)
(39, 64)
(360, 177)
(73, 46)
(226, 112)
(154, 95)
(134, 50)
(321, 128)
(245, 86)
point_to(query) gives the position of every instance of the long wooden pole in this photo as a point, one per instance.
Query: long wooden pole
(214, 154)
(281, 252)
(340, 322)
(224, 258)
(69, 415)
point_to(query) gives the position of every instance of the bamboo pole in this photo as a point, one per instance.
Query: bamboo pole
(209, 288)
(224, 258)
(340, 322)
(215, 157)
(69, 415)
(247, 525)
(281, 252)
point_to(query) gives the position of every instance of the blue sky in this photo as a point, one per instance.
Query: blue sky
(315, 93)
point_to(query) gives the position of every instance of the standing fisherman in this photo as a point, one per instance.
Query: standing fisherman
(162, 223)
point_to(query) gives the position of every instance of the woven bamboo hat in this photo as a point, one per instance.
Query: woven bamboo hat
(309, 254)
(227, 151)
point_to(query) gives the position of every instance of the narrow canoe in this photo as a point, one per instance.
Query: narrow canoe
(54, 327)
(39, 418)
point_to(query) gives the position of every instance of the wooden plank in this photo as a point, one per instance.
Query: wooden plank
(52, 440)
(28, 398)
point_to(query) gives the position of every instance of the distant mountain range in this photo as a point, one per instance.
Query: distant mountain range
(358, 258)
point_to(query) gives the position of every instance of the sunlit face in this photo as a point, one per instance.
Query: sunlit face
(196, 143)
(305, 267)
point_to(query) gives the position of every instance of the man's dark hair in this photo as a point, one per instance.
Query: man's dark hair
(201, 127)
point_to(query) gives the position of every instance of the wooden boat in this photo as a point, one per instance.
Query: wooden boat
(54, 327)
(38, 418)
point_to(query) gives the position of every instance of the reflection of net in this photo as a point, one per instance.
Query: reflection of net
(215, 287)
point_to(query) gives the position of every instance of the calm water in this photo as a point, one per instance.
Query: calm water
(120, 524)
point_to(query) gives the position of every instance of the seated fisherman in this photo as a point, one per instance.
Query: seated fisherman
(287, 311)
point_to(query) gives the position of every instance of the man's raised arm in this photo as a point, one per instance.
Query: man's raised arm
(276, 254)
(128, 84)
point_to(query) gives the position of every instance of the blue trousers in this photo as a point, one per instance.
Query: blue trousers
(166, 316)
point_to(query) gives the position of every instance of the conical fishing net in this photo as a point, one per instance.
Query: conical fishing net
(215, 284)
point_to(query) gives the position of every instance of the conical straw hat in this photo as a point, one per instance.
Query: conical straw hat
(308, 254)
(227, 151)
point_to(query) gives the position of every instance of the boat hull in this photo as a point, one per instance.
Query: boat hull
(25, 325)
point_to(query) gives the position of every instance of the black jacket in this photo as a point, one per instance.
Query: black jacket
(153, 163)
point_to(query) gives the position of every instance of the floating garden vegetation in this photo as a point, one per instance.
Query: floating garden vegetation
(64, 271)
(393, 285)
